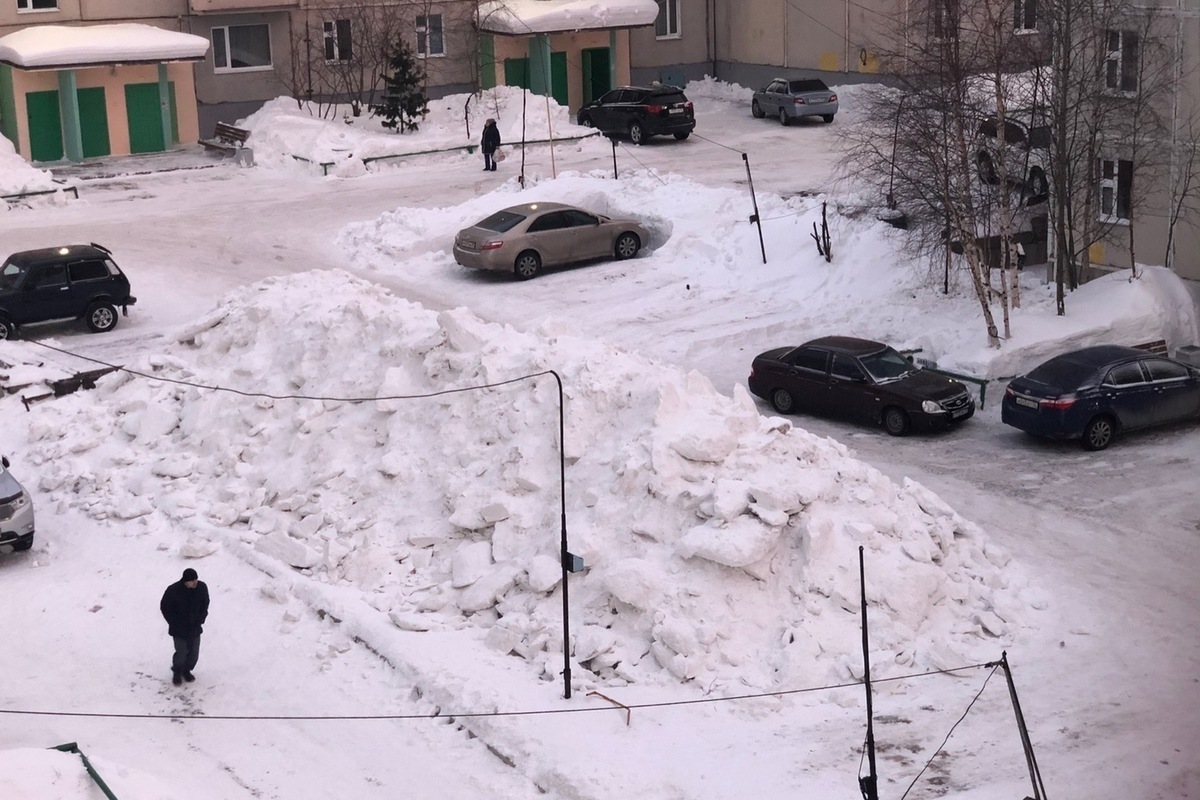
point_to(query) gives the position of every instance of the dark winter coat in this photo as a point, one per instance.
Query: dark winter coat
(491, 138)
(185, 609)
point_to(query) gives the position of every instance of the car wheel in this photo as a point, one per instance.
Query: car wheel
(19, 546)
(683, 135)
(895, 421)
(1098, 433)
(586, 122)
(627, 246)
(7, 330)
(784, 119)
(101, 317)
(636, 134)
(527, 265)
(756, 110)
(827, 117)
(782, 401)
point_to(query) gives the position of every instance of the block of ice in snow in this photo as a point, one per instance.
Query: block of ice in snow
(470, 563)
(635, 582)
(484, 593)
(284, 548)
(544, 573)
(742, 542)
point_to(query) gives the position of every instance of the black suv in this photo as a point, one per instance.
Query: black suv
(641, 112)
(80, 281)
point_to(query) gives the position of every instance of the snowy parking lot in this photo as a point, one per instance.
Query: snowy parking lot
(372, 554)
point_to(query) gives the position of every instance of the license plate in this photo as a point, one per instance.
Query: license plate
(962, 412)
(1025, 401)
(676, 111)
(465, 245)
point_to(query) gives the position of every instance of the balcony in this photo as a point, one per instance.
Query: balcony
(222, 6)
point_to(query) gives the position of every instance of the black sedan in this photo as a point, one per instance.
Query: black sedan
(859, 379)
(1095, 393)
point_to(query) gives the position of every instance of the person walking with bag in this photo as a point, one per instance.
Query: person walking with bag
(184, 606)
(490, 143)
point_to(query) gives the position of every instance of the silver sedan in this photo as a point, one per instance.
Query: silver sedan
(789, 100)
(526, 238)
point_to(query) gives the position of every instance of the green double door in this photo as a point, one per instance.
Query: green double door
(45, 124)
(516, 73)
(597, 72)
(145, 117)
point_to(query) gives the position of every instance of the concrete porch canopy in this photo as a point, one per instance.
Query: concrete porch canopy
(63, 47)
(528, 17)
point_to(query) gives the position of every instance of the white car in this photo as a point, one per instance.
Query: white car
(16, 512)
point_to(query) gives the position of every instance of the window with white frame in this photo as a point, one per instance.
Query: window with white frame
(37, 5)
(1024, 15)
(241, 47)
(1116, 190)
(337, 41)
(666, 24)
(1121, 62)
(430, 41)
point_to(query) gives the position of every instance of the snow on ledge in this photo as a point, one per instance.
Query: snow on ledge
(518, 17)
(62, 46)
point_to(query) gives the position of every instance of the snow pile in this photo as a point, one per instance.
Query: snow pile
(284, 129)
(55, 775)
(718, 542)
(17, 175)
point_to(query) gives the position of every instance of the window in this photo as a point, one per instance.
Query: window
(241, 47)
(945, 19)
(53, 275)
(37, 5)
(1024, 15)
(1121, 63)
(1116, 190)
(553, 221)
(846, 368)
(809, 358)
(666, 24)
(1125, 375)
(429, 36)
(1163, 370)
(88, 271)
(337, 40)
(579, 219)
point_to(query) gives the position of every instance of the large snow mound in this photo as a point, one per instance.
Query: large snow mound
(720, 545)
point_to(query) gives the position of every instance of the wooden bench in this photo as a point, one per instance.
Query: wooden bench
(226, 138)
(1158, 347)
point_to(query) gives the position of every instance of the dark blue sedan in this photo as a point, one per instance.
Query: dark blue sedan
(1095, 393)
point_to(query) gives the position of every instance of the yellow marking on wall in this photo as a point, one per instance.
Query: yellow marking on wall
(830, 62)
(1096, 253)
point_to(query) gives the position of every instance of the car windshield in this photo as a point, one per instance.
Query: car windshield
(887, 365)
(811, 85)
(501, 221)
(10, 275)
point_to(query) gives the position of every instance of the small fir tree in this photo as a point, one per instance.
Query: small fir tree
(404, 102)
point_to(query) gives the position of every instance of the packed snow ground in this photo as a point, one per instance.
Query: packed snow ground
(721, 542)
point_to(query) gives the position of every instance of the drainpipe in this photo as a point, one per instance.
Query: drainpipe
(612, 59)
(785, 35)
(164, 105)
(846, 54)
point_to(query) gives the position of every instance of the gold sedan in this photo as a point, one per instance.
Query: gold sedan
(525, 239)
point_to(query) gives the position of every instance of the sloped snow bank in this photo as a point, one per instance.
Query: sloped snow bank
(721, 545)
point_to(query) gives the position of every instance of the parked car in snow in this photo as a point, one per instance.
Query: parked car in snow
(640, 112)
(1096, 393)
(859, 379)
(16, 512)
(789, 100)
(527, 238)
(55, 283)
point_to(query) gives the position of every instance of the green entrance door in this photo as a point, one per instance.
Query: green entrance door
(596, 74)
(45, 126)
(516, 72)
(558, 77)
(145, 119)
(93, 122)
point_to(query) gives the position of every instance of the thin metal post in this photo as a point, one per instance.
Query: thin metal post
(754, 200)
(613, 141)
(1035, 775)
(563, 554)
(869, 785)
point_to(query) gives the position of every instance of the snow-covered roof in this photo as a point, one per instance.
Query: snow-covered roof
(49, 46)
(518, 17)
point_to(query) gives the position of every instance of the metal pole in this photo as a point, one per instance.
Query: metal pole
(891, 199)
(613, 140)
(1035, 775)
(755, 219)
(563, 555)
(869, 785)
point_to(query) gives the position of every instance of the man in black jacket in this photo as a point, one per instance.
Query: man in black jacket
(185, 607)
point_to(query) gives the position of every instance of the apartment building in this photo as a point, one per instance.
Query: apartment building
(111, 94)
(842, 41)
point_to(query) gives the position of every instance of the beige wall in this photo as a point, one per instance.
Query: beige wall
(113, 80)
(128, 10)
(209, 6)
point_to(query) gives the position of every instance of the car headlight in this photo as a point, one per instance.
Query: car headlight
(930, 407)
